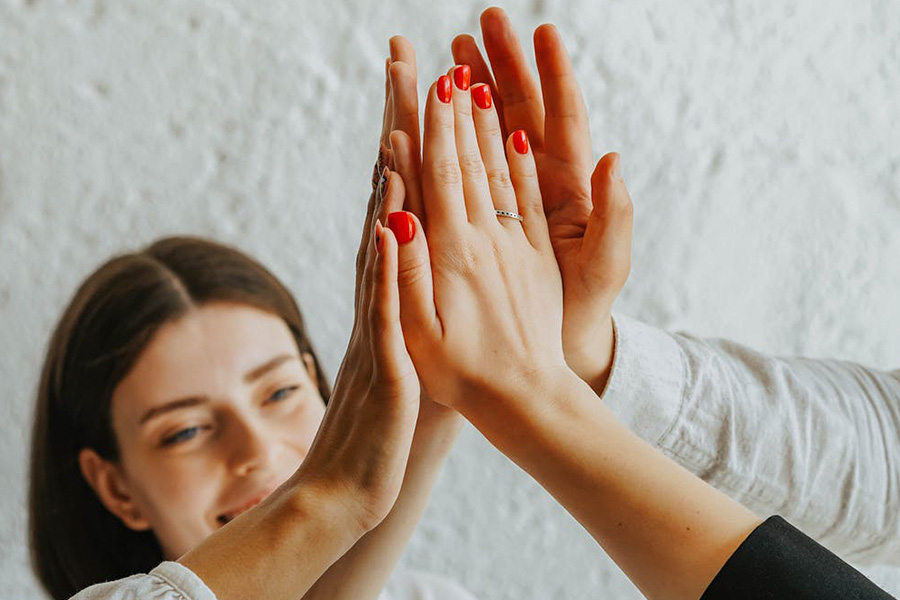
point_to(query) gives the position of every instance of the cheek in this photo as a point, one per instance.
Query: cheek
(180, 488)
(301, 428)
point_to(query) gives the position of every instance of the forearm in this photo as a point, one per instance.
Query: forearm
(812, 440)
(363, 571)
(667, 530)
(281, 547)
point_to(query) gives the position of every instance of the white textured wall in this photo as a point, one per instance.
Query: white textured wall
(760, 140)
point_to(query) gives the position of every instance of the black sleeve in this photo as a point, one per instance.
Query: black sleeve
(778, 561)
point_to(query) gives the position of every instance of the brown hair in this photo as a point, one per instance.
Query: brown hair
(75, 541)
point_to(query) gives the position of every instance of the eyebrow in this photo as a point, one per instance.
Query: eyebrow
(250, 377)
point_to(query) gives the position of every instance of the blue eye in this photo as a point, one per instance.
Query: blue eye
(283, 393)
(181, 436)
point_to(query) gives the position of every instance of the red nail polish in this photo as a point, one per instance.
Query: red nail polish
(482, 95)
(520, 141)
(403, 226)
(443, 89)
(461, 76)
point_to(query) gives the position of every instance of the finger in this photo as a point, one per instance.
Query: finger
(388, 198)
(476, 193)
(465, 52)
(365, 258)
(405, 102)
(442, 191)
(523, 173)
(402, 50)
(609, 229)
(362, 253)
(386, 336)
(418, 314)
(493, 154)
(388, 110)
(522, 105)
(409, 164)
(566, 127)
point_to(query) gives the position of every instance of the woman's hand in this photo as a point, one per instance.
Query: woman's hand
(589, 214)
(363, 443)
(481, 300)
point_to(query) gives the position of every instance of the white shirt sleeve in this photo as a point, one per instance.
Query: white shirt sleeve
(168, 581)
(817, 441)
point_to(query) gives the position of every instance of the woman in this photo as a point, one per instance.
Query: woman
(483, 321)
(180, 389)
(776, 434)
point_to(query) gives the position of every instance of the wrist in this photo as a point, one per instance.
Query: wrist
(333, 511)
(521, 414)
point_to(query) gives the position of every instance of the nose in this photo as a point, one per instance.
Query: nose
(250, 446)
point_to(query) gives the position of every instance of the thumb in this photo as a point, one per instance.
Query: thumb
(607, 239)
(418, 315)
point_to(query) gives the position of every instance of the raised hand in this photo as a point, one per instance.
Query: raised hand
(481, 299)
(589, 212)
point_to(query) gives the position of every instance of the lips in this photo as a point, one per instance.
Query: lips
(229, 515)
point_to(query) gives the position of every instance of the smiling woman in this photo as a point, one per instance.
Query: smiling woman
(245, 413)
(179, 389)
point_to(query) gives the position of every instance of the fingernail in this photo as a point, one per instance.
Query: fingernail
(403, 226)
(617, 169)
(443, 89)
(482, 95)
(520, 141)
(379, 237)
(461, 76)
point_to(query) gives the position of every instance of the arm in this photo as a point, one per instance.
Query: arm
(813, 440)
(483, 323)
(829, 462)
(363, 571)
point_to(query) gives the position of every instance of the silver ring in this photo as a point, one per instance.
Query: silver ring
(511, 215)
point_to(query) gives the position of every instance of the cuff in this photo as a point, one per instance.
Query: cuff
(183, 580)
(646, 381)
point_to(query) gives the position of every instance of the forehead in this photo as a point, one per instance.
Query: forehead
(205, 352)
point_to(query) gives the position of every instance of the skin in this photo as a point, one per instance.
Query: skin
(180, 470)
(588, 209)
(483, 323)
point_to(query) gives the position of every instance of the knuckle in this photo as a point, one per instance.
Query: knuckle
(446, 172)
(499, 178)
(410, 273)
(471, 163)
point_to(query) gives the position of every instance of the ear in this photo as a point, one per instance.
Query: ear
(106, 479)
(310, 363)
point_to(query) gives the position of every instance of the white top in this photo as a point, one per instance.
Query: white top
(174, 581)
(816, 441)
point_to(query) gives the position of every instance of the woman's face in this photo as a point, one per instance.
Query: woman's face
(218, 411)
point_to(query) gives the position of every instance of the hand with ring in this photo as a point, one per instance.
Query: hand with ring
(589, 211)
(477, 288)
